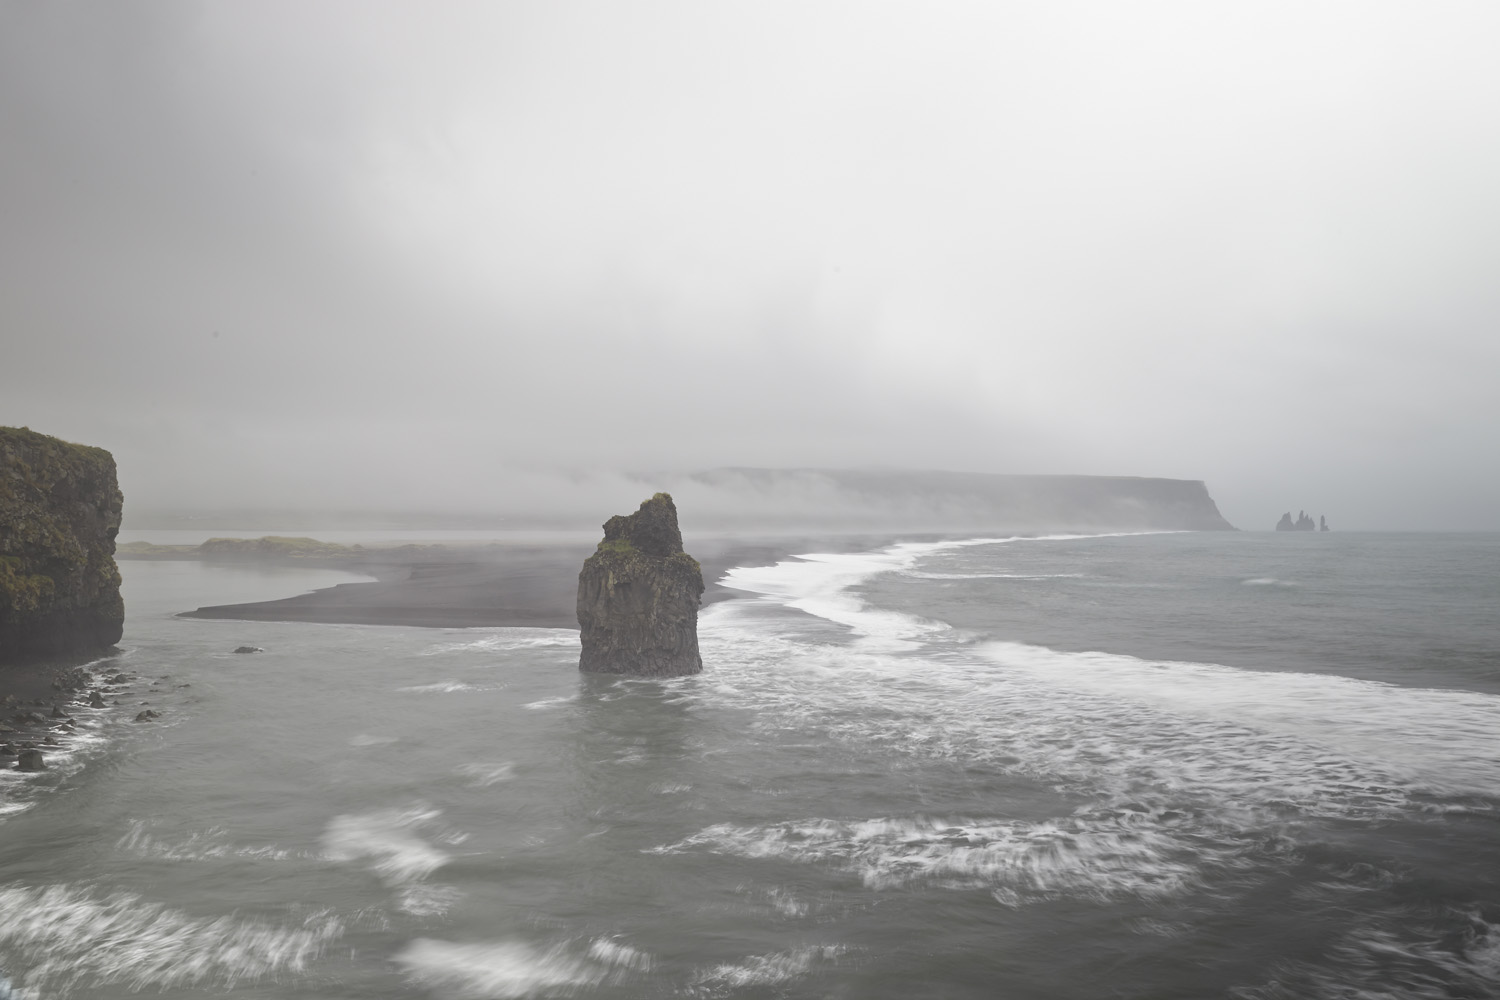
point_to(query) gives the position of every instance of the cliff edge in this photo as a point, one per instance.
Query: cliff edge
(936, 501)
(59, 514)
(638, 597)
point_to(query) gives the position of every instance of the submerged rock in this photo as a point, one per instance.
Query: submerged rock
(96, 700)
(30, 760)
(638, 597)
(59, 514)
(248, 649)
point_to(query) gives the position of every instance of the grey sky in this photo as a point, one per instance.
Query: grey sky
(435, 255)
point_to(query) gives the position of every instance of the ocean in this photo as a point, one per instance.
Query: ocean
(1245, 765)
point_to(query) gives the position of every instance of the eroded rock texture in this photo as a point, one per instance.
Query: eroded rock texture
(59, 514)
(638, 597)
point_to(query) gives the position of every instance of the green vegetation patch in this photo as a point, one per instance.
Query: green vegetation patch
(618, 547)
(23, 593)
(278, 547)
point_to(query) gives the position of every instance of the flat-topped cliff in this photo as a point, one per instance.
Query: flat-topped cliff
(638, 597)
(59, 514)
(911, 499)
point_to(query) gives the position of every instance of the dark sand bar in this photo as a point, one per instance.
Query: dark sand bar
(519, 586)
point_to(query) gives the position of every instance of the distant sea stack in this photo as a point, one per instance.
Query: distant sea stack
(638, 597)
(1304, 522)
(59, 514)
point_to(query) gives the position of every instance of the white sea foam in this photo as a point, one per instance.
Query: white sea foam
(782, 900)
(66, 937)
(507, 639)
(505, 969)
(761, 971)
(199, 845)
(1227, 740)
(819, 583)
(20, 790)
(1391, 953)
(1431, 740)
(1268, 581)
(1101, 853)
(1248, 747)
(438, 687)
(484, 775)
(557, 701)
(369, 740)
(389, 843)
(920, 575)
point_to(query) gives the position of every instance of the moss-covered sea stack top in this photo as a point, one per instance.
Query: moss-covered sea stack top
(59, 514)
(638, 597)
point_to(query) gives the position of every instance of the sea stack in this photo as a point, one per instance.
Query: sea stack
(638, 597)
(59, 514)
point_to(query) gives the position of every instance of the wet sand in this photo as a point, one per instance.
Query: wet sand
(523, 586)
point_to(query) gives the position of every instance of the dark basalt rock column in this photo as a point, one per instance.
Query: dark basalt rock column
(638, 597)
(59, 514)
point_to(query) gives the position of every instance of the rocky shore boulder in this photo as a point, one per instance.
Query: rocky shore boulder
(59, 514)
(638, 597)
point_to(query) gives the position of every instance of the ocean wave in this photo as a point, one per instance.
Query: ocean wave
(201, 845)
(1099, 854)
(65, 937)
(762, 971)
(1249, 748)
(484, 775)
(505, 640)
(71, 752)
(819, 583)
(556, 701)
(438, 687)
(370, 740)
(513, 968)
(388, 842)
(1396, 953)
(920, 575)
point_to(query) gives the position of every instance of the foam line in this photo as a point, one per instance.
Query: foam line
(67, 936)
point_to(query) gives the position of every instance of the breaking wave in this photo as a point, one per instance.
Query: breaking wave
(505, 969)
(389, 843)
(68, 937)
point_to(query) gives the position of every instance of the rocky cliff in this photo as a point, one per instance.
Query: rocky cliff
(59, 514)
(638, 597)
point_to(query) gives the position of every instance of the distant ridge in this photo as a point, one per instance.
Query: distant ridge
(740, 499)
(938, 500)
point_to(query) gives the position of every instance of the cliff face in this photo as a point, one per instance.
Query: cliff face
(913, 500)
(59, 514)
(638, 597)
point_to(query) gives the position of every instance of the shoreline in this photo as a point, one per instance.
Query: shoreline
(520, 587)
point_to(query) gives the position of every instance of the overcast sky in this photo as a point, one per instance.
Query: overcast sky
(383, 256)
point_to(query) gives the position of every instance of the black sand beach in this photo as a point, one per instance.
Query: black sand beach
(520, 586)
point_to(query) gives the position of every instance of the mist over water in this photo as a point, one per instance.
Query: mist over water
(912, 771)
(487, 259)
